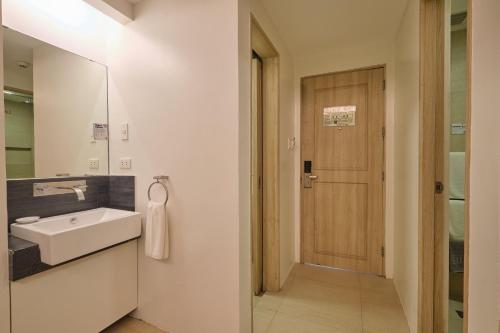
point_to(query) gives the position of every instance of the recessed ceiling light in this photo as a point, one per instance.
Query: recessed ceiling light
(23, 64)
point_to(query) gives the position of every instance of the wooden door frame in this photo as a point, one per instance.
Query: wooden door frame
(432, 316)
(256, 183)
(301, 159)
(262, 45)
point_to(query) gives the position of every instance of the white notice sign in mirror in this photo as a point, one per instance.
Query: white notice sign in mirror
(339, 116)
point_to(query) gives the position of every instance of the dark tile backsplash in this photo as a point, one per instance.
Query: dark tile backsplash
(122, 192)
(102, 191)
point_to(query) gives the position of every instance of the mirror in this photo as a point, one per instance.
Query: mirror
(56, 111)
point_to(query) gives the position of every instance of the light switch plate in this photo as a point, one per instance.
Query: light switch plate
(291, 143)
(458, 128)
(124, 131)
(125, 163)
(94, 163)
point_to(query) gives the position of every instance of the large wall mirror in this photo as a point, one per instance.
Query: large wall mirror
(56, 111)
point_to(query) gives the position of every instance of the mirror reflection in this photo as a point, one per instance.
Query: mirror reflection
(56, 112)
(456, 209)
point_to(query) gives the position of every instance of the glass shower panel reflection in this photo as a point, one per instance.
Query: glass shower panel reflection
(458, 128)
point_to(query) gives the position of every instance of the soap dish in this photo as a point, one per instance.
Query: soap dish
(27, 220)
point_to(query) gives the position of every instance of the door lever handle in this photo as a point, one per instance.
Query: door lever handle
(311, 177)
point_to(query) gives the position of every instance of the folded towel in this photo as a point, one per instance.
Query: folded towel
(157, 238)
(457, 218)
(457, 175)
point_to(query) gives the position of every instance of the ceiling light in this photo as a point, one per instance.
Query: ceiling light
(23, 64)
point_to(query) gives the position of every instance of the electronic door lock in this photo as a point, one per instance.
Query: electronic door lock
(308, 176)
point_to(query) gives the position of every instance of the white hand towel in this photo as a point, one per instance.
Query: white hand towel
(457, 175)
(157, 238)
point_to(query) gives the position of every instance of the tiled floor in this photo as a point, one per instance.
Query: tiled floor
(131, 325)
(317, 300)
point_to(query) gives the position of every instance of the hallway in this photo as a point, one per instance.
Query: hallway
(316, 300)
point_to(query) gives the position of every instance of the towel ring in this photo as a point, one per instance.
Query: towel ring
(157, 181)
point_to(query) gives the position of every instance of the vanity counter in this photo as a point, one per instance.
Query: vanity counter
(25, 260)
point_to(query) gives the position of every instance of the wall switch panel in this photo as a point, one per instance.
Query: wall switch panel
(124, 131)
(291, 143)
(458, 128)
(92, 139)
(125, 163)
(94, 163)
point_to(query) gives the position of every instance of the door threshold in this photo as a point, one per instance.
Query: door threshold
(342, 270)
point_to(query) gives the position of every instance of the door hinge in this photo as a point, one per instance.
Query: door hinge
(382, 251)
(383, 132)
(439, 187)
(383, 176)
(383, 85)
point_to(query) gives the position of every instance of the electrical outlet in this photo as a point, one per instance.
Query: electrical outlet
(94, 163)
(125, 163)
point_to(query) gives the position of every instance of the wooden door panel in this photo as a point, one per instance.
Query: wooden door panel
(341, 219)
(342, 214)
(342, 148)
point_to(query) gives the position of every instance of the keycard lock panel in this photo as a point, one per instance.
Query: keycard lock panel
(307, 174)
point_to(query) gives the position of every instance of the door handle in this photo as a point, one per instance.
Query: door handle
(308, 178)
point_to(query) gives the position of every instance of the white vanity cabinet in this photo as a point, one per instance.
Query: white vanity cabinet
(82, 296)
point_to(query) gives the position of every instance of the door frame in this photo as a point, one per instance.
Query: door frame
(256, 178)
(432, 291)
(384, 158)
(270, 57)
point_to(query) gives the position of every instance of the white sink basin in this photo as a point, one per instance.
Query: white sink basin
(65, 237)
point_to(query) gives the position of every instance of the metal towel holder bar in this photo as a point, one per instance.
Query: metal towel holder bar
(158, 181)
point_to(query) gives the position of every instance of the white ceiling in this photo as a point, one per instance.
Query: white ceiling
(18, 47)
(312, 25)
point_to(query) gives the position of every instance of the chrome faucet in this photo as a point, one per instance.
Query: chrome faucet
(61, 187)
(77, 189)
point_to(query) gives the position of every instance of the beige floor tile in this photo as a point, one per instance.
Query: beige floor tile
(384, 318)
(255, 301)
(319, 293)
(262, 319)
(271, 301)
(132, 325)
(376, 298)
(317, 300)
(283, 323)
(324, 303)
(376, 283)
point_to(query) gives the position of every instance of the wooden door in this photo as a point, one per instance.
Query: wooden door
(343, 143)
(256, 181)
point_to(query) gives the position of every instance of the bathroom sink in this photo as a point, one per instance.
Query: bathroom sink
(65, 237)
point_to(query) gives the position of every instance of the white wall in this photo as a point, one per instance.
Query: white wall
(348, 58)
(13, 78)
(4, 258)
(286, 130)
(406, 163)
(70, 94)
(244, 58)
(485, 167)
(174, 79)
